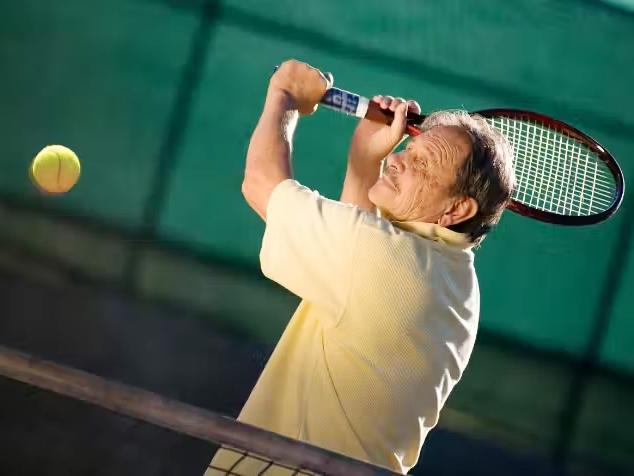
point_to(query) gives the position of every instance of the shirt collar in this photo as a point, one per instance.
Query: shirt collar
(435, 232)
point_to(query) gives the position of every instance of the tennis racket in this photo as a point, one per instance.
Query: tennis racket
(563, 176)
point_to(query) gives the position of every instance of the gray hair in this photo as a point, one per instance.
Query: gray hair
(486, 176)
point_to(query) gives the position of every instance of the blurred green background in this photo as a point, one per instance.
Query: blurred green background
(159, 97)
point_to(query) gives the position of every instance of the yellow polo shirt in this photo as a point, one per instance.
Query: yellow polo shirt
(385, 329)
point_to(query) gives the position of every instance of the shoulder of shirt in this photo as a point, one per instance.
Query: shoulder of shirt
(441, 238)
(435, 236)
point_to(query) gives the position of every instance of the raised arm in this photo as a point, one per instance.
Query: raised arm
(371, 143)
(295, 89)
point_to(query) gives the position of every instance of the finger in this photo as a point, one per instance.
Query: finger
(395, 103)
(327, 77)
(378, 98)
(414, 106)
(397, 128)
(290, 64)
(330, 79)
(386, 101)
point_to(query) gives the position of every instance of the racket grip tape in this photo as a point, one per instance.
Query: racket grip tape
(356, 105)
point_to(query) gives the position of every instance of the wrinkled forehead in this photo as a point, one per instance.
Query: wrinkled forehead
(453, 140)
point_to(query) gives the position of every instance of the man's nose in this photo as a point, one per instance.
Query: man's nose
(395, 161)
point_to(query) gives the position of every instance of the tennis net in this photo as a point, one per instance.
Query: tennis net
(245, 450)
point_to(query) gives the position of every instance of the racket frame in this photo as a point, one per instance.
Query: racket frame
(355, 105)
(589, 142)
(414, 120)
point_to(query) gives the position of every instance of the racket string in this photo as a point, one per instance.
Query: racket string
(560, 196)
(523, 143)
(524, 186)
(525, 172)
(547, 165)
(607, 182)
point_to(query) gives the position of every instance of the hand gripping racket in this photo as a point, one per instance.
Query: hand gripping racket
(562, 175)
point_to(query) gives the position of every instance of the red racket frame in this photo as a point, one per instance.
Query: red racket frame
(416, 119)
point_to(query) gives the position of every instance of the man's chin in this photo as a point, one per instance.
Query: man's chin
(375, 199)
(375, 194)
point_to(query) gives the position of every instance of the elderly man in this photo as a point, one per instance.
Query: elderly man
(390, 297)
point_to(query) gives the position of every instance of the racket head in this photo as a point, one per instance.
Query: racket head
(581, 182)
(563, 176)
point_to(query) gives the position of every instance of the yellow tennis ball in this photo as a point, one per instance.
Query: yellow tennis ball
(55, 169)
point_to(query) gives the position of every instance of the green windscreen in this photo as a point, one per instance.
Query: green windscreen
(159, 98)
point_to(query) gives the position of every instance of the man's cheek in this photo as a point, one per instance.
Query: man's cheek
(421, 191)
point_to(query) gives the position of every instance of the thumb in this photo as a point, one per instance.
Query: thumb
(397, 128)
(330, 80)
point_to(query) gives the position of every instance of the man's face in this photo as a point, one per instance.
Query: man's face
(416, 183)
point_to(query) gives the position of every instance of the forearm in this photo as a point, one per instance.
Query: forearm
(372, 142)
(360, 176)
(269, 155)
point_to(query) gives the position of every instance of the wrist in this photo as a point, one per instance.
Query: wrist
(279, 100)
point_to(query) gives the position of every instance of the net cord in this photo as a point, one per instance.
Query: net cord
(177, 416)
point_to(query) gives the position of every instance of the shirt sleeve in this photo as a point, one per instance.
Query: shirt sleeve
(309, 243)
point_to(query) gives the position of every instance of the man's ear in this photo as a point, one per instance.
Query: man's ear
(461, 209)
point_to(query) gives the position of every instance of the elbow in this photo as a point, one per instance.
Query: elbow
(248, 192)
(257, 189)
(250, 185)
(252, 195)
(246, 189)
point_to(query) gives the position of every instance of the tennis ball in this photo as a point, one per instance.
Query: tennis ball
(55, 169)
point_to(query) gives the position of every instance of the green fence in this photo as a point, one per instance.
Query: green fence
(159, 98)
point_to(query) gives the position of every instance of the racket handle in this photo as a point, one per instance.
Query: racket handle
(358, 106)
